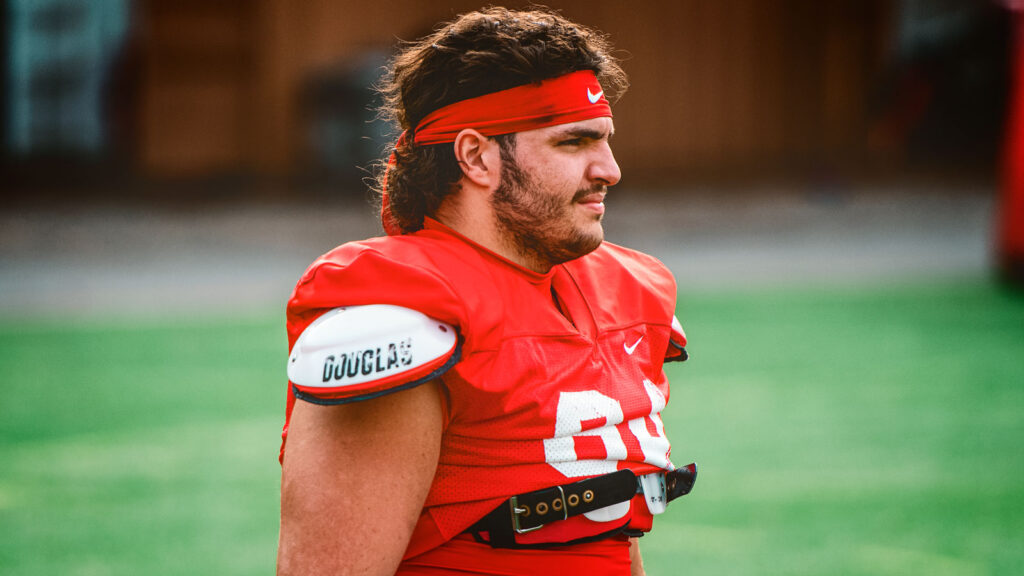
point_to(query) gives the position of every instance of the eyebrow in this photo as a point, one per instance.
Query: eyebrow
(581, 132)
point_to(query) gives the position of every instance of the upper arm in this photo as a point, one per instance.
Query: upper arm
(354, 480)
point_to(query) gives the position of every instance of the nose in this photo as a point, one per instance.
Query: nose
(603, 168)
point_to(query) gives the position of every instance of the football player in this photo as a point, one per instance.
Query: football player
(479, 391)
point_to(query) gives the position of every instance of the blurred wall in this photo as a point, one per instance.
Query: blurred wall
(191, 91)
(715, 85)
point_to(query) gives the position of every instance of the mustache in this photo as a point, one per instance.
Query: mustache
(584, 192)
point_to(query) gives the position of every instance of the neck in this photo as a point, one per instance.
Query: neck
(471, 215)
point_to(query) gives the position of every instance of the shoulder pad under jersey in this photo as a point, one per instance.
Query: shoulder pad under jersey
(361, 352)
(676, 343)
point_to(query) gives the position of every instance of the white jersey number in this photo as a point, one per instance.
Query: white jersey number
(575, 408)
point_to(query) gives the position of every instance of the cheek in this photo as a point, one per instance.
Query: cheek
(559, 175)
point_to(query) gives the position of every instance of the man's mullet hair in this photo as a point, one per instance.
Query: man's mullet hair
(477, 53)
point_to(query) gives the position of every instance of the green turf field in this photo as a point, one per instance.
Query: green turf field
(843, 431)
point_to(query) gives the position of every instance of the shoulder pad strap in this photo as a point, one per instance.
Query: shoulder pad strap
(361, 352)
(676, 343)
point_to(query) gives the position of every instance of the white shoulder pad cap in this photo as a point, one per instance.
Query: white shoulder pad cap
(358, 351)
(676, 343)
(678, 335)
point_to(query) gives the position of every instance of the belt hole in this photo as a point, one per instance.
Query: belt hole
(526, 511)
(573, 499)
(556, 505)
(542, 508)
(588, 496)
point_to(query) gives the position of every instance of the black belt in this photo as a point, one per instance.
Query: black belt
(532, 510)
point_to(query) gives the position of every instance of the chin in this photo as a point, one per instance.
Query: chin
(594, 230)
(589, 238)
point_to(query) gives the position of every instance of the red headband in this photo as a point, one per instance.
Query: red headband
(570, 98)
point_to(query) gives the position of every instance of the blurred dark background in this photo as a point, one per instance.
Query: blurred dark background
(184, 99)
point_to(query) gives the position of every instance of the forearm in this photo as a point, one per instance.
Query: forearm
(351, 535)
(636, 561)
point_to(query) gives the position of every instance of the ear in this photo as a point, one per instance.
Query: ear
(479, 158)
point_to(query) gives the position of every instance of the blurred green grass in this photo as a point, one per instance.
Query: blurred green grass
(870, 430)
(849, 431)
(140, 447)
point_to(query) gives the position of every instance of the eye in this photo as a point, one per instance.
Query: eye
(571, 142)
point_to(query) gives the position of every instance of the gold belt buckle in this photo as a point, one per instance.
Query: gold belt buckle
(513, 503)
(518, 511)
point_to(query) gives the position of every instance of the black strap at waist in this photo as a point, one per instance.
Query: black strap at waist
(532, 510)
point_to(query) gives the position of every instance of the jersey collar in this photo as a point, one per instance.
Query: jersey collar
(532, 276)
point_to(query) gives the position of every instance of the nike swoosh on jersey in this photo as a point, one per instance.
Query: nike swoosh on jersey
(629, 349)
(594, 97)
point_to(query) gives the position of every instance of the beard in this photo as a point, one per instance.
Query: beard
(541, 227)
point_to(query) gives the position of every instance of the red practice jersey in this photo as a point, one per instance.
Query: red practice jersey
(559, 376)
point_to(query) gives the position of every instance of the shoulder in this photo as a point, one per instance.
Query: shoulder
(621, 268)
(629, 258)
(630, 285)
(373, 317)
(389, 271)
(401, 271)
(367, 258)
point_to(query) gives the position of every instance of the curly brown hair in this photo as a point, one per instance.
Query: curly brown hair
(477, 53)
